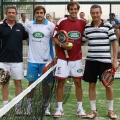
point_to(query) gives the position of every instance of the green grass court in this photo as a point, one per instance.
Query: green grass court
(71, 105)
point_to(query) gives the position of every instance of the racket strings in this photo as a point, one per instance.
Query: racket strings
(108, 78)
(62, 37)
(4, 76)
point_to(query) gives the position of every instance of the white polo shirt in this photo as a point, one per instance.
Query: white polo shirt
(39, 41)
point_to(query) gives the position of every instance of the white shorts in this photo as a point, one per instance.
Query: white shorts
(15, 69)
(65, 69)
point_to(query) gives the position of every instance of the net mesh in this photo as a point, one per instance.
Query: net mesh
(33, 101)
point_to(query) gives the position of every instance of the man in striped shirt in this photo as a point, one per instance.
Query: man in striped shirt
(100, 37)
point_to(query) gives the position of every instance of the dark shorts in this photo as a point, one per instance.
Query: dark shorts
(94, 69)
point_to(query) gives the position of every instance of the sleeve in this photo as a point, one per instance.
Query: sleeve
(51, 49)
(25, 34)
(0, 40)
(84, 38)
(0, 43)
(27, 26)
(52, 29)
(117, 22)
(51, 42)
(26, 29)
(56, 28)
(111, 33)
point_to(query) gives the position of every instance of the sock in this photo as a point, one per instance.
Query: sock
(19, 103)
(5, 102)
(29, 100)
(110, 104)
(48, 107)
(60, 106)
(93, 104)
(79, 105)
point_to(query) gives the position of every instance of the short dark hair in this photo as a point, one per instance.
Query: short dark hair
(82, 12)
(66, 15)
(22, 14)
(96, 6)
(112, 14)
(72, 4)
(39, 8)
(11, 7)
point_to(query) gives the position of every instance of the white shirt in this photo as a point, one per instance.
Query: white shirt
(23, 23)
(39, 39)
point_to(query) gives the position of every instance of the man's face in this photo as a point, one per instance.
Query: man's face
(96, 14)
(39, 15)
(23, 17)
(48, 17)
(73, 11)
(112, 17)
(82, 15)
(11, 14)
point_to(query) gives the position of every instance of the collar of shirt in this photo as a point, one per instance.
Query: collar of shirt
(45, 21)
(92, 24)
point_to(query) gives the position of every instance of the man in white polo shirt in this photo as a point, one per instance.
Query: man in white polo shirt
(40, 46)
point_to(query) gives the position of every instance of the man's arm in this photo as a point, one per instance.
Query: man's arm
(25, 35)
(115, 53)
(84, 40)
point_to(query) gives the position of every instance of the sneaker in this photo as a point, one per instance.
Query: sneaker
(58, 113)
(112, 115)
(81, 113)
(92, 114)
(18, 111)
(47, 112)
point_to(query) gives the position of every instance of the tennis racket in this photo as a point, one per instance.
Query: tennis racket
(47, 67)
(63, 37)
(107, 77)
(4, 76)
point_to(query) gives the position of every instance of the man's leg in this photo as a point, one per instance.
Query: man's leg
(78, 90)
(92, 97)
(5, 93)
(79, 94)
(60, 88)
(29, 100)
(110, 97)
(92, 92)
(18, 90)
(18, 87)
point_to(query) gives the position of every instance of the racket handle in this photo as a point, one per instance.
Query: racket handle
(66, 54)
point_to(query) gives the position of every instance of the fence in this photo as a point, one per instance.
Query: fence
(27, 6)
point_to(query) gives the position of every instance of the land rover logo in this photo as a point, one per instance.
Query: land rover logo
(74, 35)
(79, 70)
(38, 35)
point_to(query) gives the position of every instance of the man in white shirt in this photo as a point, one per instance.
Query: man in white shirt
(23, 19)
(40, 49)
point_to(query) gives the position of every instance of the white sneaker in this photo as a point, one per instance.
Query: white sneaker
(18, 111)
(81, 113)
(47, 112)
(58, 113)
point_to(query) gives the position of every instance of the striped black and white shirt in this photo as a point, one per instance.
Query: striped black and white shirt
(99, 41)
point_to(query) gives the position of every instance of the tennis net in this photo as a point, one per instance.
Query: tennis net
(33, 101)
